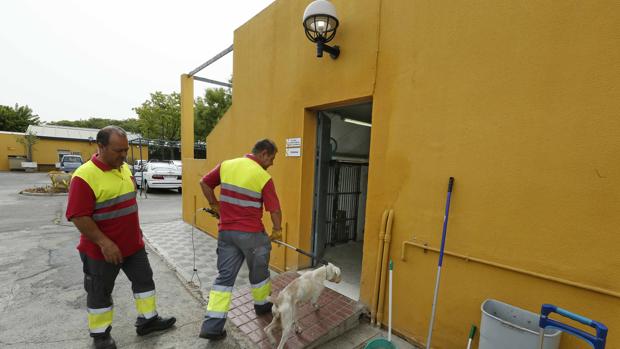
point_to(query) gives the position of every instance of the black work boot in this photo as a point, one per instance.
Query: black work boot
(212, 336)
(158, 323)
(104, 342)
(263, 308)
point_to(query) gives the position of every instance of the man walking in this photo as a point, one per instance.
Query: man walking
(102, 205)
(245, 187)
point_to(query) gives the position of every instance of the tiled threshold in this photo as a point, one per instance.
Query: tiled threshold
(336, 315)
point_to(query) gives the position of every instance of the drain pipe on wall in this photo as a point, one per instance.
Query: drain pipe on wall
(375, 289)
(384, 265)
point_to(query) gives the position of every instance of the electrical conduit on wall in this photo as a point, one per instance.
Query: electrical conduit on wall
(384, 265)
(375, 290)
(513, 269)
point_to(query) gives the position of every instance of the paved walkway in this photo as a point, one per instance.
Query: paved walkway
(182, 249)
(174, 242)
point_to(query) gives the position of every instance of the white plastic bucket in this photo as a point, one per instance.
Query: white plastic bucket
(504, 326)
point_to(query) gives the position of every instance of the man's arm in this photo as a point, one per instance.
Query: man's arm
(272, 204)
(276, 219)
(80, 207)
(87, 226)
(207, 183)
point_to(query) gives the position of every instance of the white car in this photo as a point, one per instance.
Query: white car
(159, 175)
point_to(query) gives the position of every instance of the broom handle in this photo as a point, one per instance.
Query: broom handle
(443, 244)
(472, 333)
(390, 305)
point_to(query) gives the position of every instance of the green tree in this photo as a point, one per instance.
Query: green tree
(209, 110)
(160, 117)
(129, 125)
(28, 141)
(17, 119)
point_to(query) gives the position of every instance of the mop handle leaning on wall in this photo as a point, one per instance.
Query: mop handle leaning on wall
(443, 245)
(472, 333)
(390, 303)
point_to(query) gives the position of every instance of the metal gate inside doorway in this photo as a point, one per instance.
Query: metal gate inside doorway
(342, 206)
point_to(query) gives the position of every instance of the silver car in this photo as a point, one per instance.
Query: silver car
(70, 163)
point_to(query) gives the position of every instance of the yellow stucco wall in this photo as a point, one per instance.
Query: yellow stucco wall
(279, 81)
(45, 151)
(517, 100)
(10, 146)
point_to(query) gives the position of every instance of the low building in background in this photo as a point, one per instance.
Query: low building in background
(53, 142)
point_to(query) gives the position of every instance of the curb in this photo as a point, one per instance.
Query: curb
(25, 193)
(191, 287)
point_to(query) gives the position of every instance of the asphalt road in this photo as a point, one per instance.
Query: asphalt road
(42, 299)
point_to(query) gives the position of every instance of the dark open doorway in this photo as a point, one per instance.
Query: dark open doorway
(343, 146)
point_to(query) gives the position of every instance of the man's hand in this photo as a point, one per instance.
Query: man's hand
(215, 207)
(87, 226)
(276, 234)
(111, 252)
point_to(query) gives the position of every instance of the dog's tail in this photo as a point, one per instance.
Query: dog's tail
(274, 307)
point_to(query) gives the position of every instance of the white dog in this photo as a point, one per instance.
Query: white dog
(306, 287)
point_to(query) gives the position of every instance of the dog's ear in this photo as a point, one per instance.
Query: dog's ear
(332, 273)
(329, 271)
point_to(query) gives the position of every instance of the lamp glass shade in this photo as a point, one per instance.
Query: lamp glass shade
(320, 21)
(320, 7)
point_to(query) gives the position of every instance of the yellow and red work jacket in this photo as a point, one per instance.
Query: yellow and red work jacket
(242, 182)
(108, 196)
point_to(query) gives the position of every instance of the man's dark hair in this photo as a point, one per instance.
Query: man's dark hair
(265, 144)
(103, 136)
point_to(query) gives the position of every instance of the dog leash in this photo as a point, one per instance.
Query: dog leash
(211, 212)
(279, 242)
(308, 254)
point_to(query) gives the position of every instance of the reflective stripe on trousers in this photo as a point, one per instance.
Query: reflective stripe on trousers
(220, 298)
(100, 319)
(146, 304)
(261, 291)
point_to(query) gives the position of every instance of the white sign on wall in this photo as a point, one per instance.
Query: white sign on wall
(293, 142)
(293, 152)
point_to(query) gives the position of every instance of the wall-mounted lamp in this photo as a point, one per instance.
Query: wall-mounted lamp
(320, 23)
(357, 122)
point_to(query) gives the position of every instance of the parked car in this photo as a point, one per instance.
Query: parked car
(137, 165)
(159, 175)
(70, 163)
(176, 163)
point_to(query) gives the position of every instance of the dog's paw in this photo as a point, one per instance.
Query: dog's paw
(316, 306)
(297, 329)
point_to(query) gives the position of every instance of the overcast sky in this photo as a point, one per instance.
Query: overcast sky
(76, 59)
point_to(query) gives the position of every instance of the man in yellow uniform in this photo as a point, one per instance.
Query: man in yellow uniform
(102, 205)
(245, 187)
